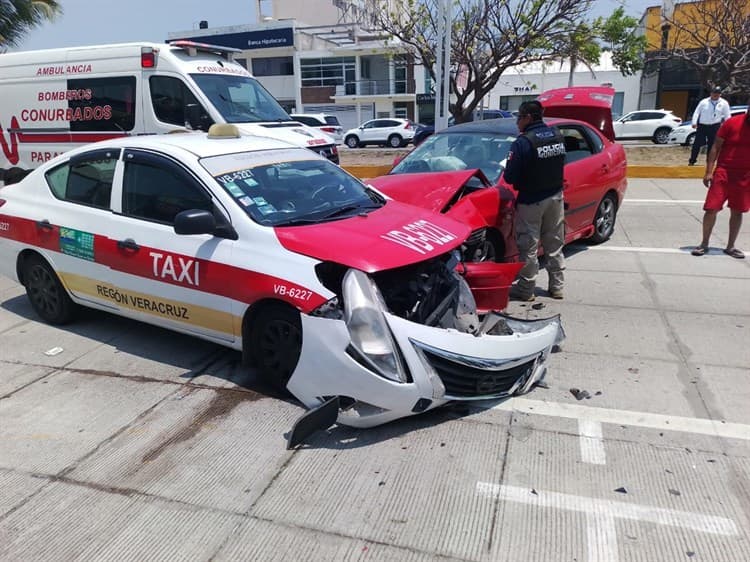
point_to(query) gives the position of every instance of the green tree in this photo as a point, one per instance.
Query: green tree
(488, 37)
(583, 43)
(18, 17)
(577, 45)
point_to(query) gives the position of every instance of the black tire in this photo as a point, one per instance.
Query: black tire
(661, 135)
(352, 141)
(47, 296)
(604, 221)
(275, 343)
(690, 139)
(395, 141)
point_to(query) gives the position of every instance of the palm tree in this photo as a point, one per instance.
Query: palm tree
(18, 17)
(578, 46)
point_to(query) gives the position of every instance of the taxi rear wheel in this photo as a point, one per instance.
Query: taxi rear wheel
(48, 297)
(276, 343)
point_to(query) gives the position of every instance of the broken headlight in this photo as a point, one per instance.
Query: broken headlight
(368, 329)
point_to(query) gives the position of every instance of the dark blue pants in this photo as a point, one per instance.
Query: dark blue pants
(704, 134)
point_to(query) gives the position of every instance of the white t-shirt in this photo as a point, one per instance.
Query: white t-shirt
(710, 112)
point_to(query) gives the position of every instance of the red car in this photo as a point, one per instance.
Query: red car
(458, 171)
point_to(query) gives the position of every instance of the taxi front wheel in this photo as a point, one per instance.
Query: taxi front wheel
(48, 297)
(275, 343)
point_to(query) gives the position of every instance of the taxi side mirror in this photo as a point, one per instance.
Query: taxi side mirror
(194, 221)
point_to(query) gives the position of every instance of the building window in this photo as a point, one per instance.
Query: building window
(273, 66)
(333, 71)
(400, 75)
(511, 103)
(617, 104)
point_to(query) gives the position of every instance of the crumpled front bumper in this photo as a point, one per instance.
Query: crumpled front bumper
(443, 365)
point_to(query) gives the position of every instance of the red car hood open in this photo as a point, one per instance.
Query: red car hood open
(390, 237)
(431, 190)
(591, 104)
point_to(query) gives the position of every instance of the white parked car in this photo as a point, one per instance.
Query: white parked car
(346, 299)
(685, 134)
(386, 132)
(654, 124)
(329, 124)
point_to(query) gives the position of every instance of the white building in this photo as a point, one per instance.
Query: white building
(526, 82)
(326, 56)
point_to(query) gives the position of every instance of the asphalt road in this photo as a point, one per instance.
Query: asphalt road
(122, 441)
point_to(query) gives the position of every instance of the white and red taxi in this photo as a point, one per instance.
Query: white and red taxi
(328, 288)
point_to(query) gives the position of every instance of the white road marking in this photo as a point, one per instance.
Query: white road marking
(700, 426)
(601, 538)
(636, 249)
(601, 514)
(673, 201)
(592, 444)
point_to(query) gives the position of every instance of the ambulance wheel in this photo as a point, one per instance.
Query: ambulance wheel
(48, 297)
(275, 343)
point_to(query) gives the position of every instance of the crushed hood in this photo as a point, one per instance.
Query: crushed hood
(591, 104)
(430, 190)
(392, 236)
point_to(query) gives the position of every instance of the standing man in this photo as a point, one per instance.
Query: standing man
(710, 113)
(730, 182)
(535, 169)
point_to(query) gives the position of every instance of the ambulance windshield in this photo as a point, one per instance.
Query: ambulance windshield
(240, 99)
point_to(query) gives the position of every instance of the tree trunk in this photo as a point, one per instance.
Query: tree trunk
(573, 64)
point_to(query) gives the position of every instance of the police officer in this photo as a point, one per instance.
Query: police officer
(535, 169)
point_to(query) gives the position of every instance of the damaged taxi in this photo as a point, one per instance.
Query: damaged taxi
(329, 289)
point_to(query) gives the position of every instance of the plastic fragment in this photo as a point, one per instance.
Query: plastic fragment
(54, 351)
(621, 490)
(580, 394)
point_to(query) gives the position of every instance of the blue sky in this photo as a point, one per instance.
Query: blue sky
(113, 21)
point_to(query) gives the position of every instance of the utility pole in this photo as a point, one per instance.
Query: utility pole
(443, 65)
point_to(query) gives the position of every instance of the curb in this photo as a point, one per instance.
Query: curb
(676, 172)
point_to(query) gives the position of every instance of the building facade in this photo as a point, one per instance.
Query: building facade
(526, 82)
(689, 27)
(327, 56)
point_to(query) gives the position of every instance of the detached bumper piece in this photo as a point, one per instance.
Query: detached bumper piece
(320, 418)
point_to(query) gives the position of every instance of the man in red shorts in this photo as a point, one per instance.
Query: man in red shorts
(729, 182)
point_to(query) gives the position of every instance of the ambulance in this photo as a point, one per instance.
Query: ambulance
(58, 99)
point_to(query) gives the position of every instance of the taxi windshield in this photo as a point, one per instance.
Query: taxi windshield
(459, 151)
(240, 99)
(289, 187)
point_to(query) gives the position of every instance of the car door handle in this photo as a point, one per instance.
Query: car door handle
(128, 244)
(44, 224)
